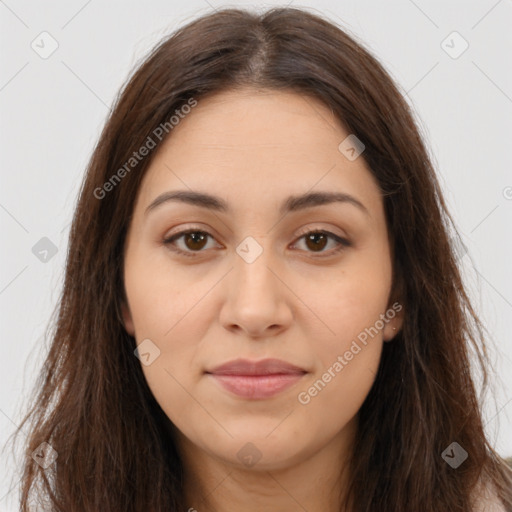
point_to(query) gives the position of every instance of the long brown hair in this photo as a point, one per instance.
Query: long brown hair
(93, 405)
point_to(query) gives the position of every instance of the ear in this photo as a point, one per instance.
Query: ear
(396, 311)
(127, 319)
(395, 316)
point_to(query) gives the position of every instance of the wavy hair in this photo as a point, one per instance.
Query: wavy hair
(91, 402)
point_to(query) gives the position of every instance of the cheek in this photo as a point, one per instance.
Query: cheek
(335, 395)
(351, 308)
(349, 350)
(170, 321)
(167, 308)
(159, 297)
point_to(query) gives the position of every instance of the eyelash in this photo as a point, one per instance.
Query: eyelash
(343, 243)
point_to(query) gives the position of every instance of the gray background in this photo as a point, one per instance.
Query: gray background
(52, 110)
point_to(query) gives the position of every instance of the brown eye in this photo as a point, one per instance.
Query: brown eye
(193, 241)
(316, 241)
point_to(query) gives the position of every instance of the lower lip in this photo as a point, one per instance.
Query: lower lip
(257, 386)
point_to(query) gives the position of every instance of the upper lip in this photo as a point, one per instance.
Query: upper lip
(263, 367)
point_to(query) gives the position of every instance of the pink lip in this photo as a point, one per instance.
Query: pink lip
(257, 379)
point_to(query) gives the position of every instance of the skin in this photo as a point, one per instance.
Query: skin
(254, 148)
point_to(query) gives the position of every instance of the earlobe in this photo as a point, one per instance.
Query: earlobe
(394, 326)
(395, 306)
(390, 332)
(127, 319)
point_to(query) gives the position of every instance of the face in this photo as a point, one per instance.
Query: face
(259, 276)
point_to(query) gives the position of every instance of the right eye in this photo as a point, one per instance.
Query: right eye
(194, 240)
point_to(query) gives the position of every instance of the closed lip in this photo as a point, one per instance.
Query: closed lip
(254, 368)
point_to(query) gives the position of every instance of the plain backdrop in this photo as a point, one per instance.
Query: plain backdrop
(450, 58)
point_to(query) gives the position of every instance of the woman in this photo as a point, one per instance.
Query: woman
(262, 308)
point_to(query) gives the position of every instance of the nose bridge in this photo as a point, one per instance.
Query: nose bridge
(256, 300)
(252, 266)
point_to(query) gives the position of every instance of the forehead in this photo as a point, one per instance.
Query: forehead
(252, 146)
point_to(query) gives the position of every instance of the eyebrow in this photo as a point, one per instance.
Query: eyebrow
(291, 204)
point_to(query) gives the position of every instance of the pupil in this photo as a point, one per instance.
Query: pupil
(200, 237)
(313, 237)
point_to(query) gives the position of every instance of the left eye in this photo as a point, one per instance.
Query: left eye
(195, 240)
(319, 239)
(194, 236)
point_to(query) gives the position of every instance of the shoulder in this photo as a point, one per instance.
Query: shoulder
(486, 500)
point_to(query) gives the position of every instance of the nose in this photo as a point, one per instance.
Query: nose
(257, 298)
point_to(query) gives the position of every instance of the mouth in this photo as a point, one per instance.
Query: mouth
(256, 379)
